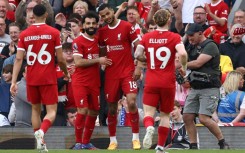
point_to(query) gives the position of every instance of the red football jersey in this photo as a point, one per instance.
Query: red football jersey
(87, 48)
(160, 54)
(221, 10)
(40, 41)
(118, 40)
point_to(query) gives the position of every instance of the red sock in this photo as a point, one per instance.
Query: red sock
(46, 124)
(127, 120)
(134, 120)
(79, 125)
(89, 128)
(148, 121)
(112, 124)
(162, 135)
(36, 130)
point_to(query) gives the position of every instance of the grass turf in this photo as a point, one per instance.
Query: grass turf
(123, 151)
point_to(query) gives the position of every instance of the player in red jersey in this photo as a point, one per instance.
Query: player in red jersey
(86, 80)
(158, 49)
(217, 14)
(115, 39)
(41, 43)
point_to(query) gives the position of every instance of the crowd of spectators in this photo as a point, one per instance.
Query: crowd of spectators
(66, 16)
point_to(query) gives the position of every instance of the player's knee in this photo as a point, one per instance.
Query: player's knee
(112, 111)
(132, 107)
(112, 108)
(93, 112)
(83, 111)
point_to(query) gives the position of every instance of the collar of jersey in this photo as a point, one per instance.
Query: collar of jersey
(161, 30)
(38, 23)
(216, 3)
(87, 37)
(115, 25)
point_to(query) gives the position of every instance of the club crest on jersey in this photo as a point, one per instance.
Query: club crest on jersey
(225, 12)
(119, 36)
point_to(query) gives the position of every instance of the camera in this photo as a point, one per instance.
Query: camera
(68, 26)
(179, 78)
(199, 77)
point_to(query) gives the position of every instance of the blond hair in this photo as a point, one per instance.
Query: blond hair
(232, 81)
(79, 2)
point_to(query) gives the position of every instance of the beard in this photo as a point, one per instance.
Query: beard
(90, 31)
(112, 20)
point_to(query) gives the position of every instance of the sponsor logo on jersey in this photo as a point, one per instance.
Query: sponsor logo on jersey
(114, 48)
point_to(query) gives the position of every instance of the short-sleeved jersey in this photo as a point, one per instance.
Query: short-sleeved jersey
(118, 40)
(160, 53)
(221, 10)
(87, 48)
(40, 41)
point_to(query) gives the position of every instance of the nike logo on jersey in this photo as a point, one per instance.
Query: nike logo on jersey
(131, 90)
(90, 48)
(106, 39)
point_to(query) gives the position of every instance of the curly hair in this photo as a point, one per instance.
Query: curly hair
(161, 17)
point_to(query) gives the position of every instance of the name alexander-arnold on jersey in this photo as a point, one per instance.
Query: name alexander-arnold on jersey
(158, 41)
(37, 37)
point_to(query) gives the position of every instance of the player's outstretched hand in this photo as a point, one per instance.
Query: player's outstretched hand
(13, 89)
(105, 61)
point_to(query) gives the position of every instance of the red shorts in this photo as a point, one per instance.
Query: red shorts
(87, 97)
(45, 94)
(114, 88)
(163, 96)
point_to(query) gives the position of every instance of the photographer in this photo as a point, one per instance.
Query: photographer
(204, 60)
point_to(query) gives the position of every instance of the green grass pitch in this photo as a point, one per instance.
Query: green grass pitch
(123, 151)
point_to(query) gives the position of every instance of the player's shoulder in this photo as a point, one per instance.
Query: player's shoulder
(174, 35)
(52, 29)
(24, 31)
(150, 34)
(125, 23)
(102, 29)
(79, 39)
